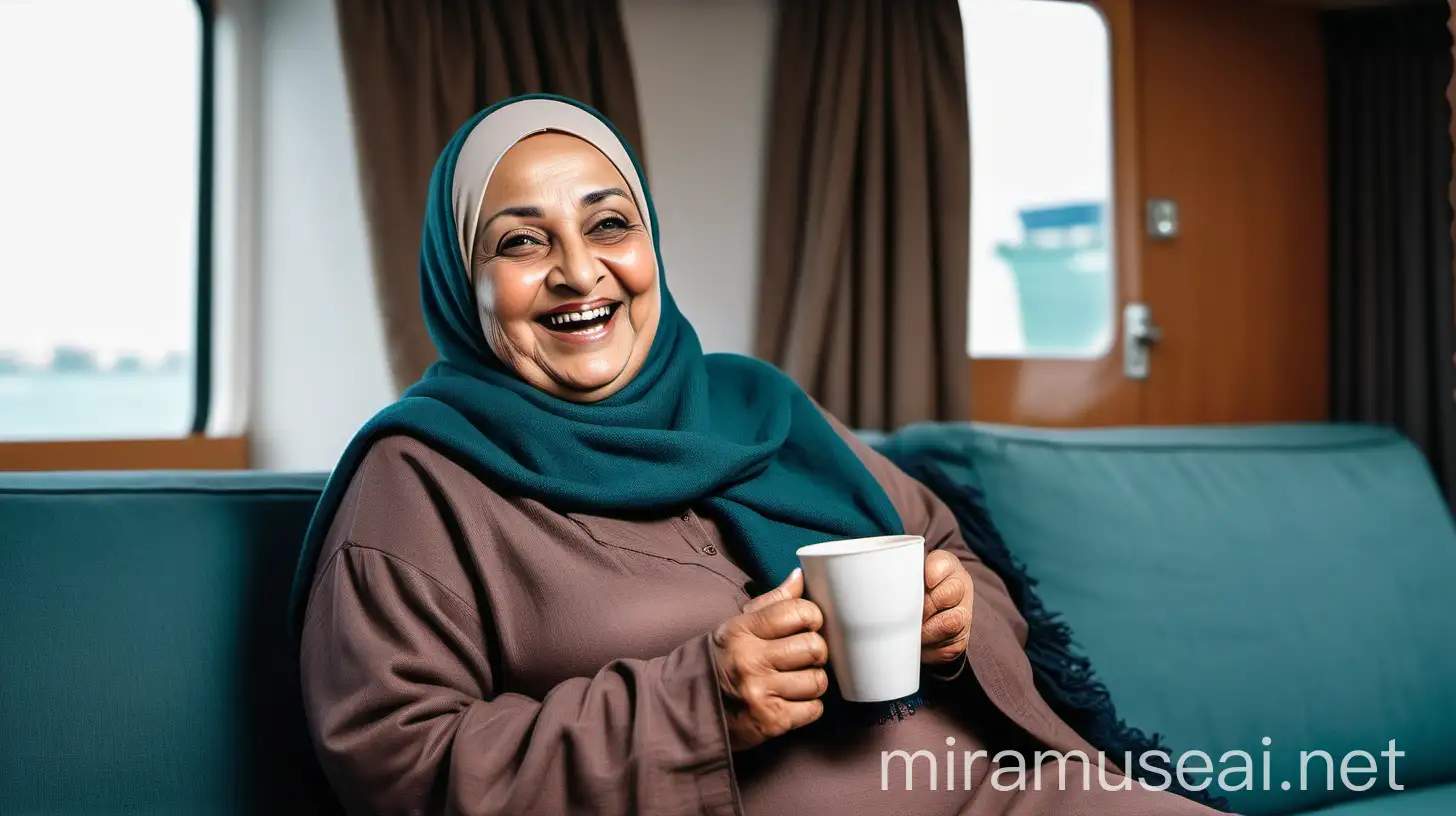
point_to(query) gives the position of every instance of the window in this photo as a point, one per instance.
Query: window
(101, 266)
(1043, 275)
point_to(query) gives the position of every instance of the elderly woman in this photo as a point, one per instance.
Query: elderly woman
(558, 575)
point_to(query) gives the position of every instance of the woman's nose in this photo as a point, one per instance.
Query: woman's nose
(576, 269)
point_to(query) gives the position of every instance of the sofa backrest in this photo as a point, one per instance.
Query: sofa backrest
(1231, 584)
(143, 665)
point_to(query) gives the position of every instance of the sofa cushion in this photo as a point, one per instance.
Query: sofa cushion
(1437, 801)
(142, 629)
(1232, 584)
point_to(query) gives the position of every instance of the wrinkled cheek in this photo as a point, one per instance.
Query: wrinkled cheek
(637, 271)
(485, 306)
(642, 284)
(646, 311)
(485, 302)
(505, 296)
(508, 336)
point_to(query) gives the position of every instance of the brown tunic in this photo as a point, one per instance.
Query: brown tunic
(467, 652)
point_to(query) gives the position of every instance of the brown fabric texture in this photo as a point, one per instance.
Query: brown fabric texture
(866, 245)
(1393, 329)
(417, 71)
(470, 653)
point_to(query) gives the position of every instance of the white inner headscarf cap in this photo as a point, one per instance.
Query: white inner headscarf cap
(497, 133)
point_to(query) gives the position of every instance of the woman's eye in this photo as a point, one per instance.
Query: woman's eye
(612, 223)
(515, 242)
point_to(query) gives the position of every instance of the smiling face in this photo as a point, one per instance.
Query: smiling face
(564, 269)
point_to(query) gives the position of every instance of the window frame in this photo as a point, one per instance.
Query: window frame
(206, 142)
(194, 449)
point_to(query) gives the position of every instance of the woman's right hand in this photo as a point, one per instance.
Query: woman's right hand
(770, 662)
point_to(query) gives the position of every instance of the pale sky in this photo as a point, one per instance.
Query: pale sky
(1041, 133)
(98, 174)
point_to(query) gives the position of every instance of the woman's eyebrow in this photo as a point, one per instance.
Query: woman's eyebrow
(518, 212)
(597, 196)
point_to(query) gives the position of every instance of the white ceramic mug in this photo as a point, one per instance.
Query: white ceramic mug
(872, 593)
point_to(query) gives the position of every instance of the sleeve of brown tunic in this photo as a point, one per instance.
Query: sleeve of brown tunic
(400, 684)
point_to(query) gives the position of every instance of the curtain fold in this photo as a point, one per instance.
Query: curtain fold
(417, 70)
(1451, 189)
(865, 261)
(1393, 325)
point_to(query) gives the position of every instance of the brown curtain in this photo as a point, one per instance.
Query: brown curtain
(1393, 328)
(417, 69)
(867, 211)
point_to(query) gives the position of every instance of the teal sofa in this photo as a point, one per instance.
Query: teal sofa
(1228, 584)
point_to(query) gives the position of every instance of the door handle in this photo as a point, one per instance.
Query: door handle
(1139, 334)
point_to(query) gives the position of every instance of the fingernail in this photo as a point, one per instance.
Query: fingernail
(793, 575)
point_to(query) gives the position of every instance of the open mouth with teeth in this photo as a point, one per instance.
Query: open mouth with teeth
(580, 322)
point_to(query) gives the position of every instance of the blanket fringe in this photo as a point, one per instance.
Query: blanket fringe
(1063, 676)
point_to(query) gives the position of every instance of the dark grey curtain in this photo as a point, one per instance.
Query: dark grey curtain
(417, 69)
(1392, 331)
(866, 215)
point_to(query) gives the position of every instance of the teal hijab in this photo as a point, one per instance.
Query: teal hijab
(726, 435)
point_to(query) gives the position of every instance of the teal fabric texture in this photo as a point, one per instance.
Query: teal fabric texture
(727, 435)
(1235, 584)
(1436, 801)
(142, 663)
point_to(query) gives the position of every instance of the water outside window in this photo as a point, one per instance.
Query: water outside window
(98, 211)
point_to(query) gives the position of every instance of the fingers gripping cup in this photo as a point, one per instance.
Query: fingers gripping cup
(872, 593)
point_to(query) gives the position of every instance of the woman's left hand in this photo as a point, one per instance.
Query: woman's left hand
(946, 621)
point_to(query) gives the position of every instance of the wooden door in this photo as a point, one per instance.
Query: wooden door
(1233, 128)
(1219, 106)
